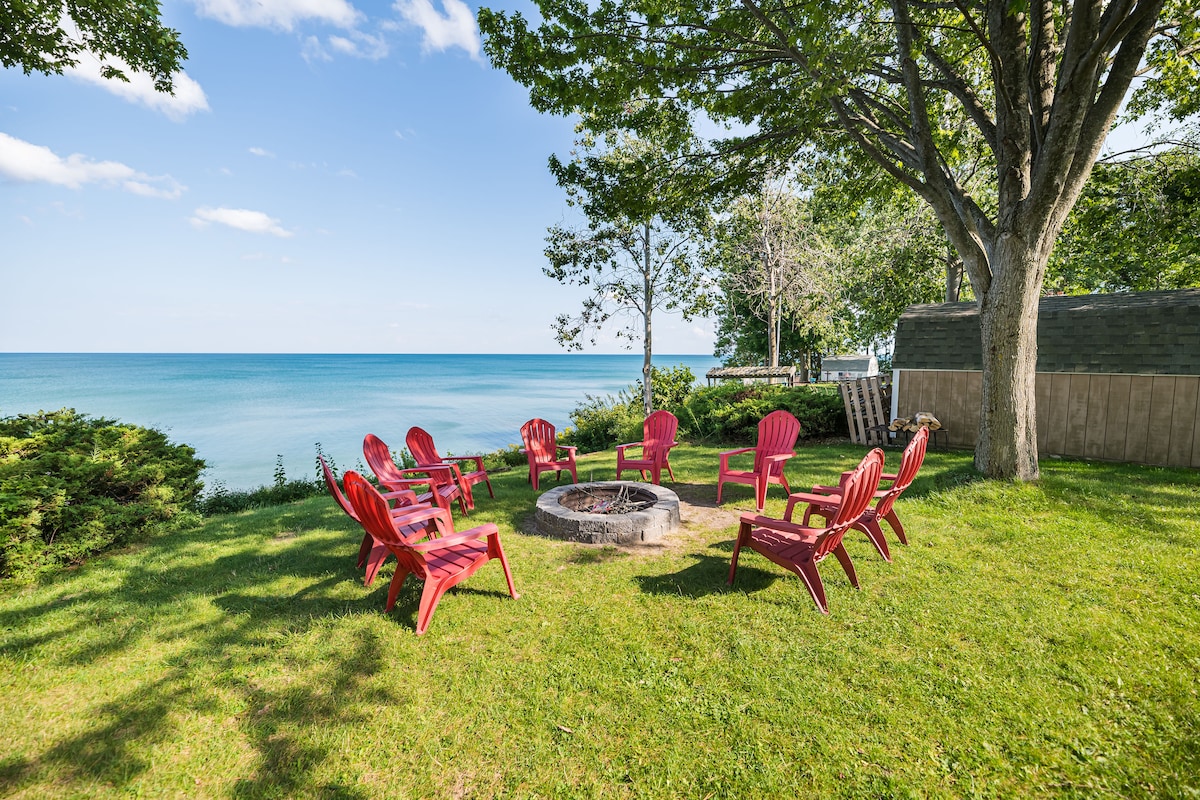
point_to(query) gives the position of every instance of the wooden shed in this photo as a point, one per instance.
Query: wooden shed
(848, 367)
(1118, 375)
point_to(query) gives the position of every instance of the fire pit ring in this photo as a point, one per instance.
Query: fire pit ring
(556, 518)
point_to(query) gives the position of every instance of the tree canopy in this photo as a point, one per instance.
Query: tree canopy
(936, 93)
(49, 36)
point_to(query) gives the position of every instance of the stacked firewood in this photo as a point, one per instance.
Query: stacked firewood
(922, 419)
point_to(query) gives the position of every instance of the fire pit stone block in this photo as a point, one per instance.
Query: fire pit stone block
(557, 521)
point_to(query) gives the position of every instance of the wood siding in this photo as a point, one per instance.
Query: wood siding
(1144, 419)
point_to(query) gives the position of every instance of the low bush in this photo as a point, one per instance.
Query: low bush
(731, 411)
(72, 485)
(602, 422)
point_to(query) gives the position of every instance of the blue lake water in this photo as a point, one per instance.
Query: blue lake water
(240, 411)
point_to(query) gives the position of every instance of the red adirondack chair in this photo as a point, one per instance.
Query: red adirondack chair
(868, 523)
(420, 444)
(777, 434)
(541, 449)
(371, 553)
(800, 547)
(440, 479)
(440, 562)
(658, 437)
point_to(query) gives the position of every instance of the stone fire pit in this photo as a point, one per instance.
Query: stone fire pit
(566, 512)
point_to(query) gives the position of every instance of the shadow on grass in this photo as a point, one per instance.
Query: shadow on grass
(706, 576)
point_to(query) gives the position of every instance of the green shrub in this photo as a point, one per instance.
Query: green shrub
(71, 485)
(602, 422)
(731, 411)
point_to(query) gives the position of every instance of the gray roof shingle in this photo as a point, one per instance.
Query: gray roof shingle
(1141, 333)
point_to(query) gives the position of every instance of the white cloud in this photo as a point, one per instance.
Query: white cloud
(258, 151)
(32, 163)
(360, 45)
(187, 99)
(456, 29)
(240, 218)
(282, 14)
(312, 50)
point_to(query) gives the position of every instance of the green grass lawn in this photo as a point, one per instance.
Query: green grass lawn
(1032, 640)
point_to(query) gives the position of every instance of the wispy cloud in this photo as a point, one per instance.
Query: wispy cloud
(32, 163)
(455, 28)
(240, 218)
(258, 151)
(188, 97)
(281, 14)
(360, 45)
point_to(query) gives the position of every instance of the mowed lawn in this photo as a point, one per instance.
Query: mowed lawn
(1033, 640)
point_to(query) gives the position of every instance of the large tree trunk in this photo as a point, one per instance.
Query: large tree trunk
(1008, 312)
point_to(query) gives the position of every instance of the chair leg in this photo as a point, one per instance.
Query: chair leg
(670, 471)
(870, 526)
(497, 552)
(743, 533)
(364, 549)
(844, 558)
(375, 560)
(394, 589)
(894, 521)
(430, 596)
(491, 494)
(466, 492)
(720, 483)
(807, 571)
(760, 491)
(574, 477)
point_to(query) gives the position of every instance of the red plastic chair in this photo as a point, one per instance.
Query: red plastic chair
(868, 523)
(440, 479)
(777, 434)
(800, 547)
(541, 449)
(371, 552)
(420, 444)
(658, 437)
(441, 562)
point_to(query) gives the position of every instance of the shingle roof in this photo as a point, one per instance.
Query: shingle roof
(1134, 333)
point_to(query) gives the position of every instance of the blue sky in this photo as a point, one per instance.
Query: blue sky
(328, 178)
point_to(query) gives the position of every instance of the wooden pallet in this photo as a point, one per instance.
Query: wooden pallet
(866, 414)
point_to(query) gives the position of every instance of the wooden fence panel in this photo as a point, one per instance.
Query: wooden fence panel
(1077, 408)
(1097, 416)
(1149, 419)
(1141, 388)
(1162, 403)
(1117, 429)
(1183, 423)
(1060, 393)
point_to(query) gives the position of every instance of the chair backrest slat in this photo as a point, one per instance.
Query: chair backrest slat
(335, 490)
(659, 430)
(420, 444)
(376, 518)
(910, 463)
(777, 434)
(857, 491)
(540, 440)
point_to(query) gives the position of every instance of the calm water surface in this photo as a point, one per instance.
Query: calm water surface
(240, 411)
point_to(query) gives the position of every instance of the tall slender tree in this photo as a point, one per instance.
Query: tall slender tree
(637, 252)
(906, 84)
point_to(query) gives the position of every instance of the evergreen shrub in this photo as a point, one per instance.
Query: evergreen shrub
(72, 485)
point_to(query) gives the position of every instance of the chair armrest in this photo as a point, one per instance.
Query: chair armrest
(477, 459)
(759, 521)
(424, 513)
(408, 495)
(779, 457)
(834, 490)
(403, 511)
(814, 499)
(724, 457)
(487, 529)
(402, 484)
(621, 448)
(568, 447)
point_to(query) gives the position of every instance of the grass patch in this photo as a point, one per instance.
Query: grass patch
(1033, 640)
